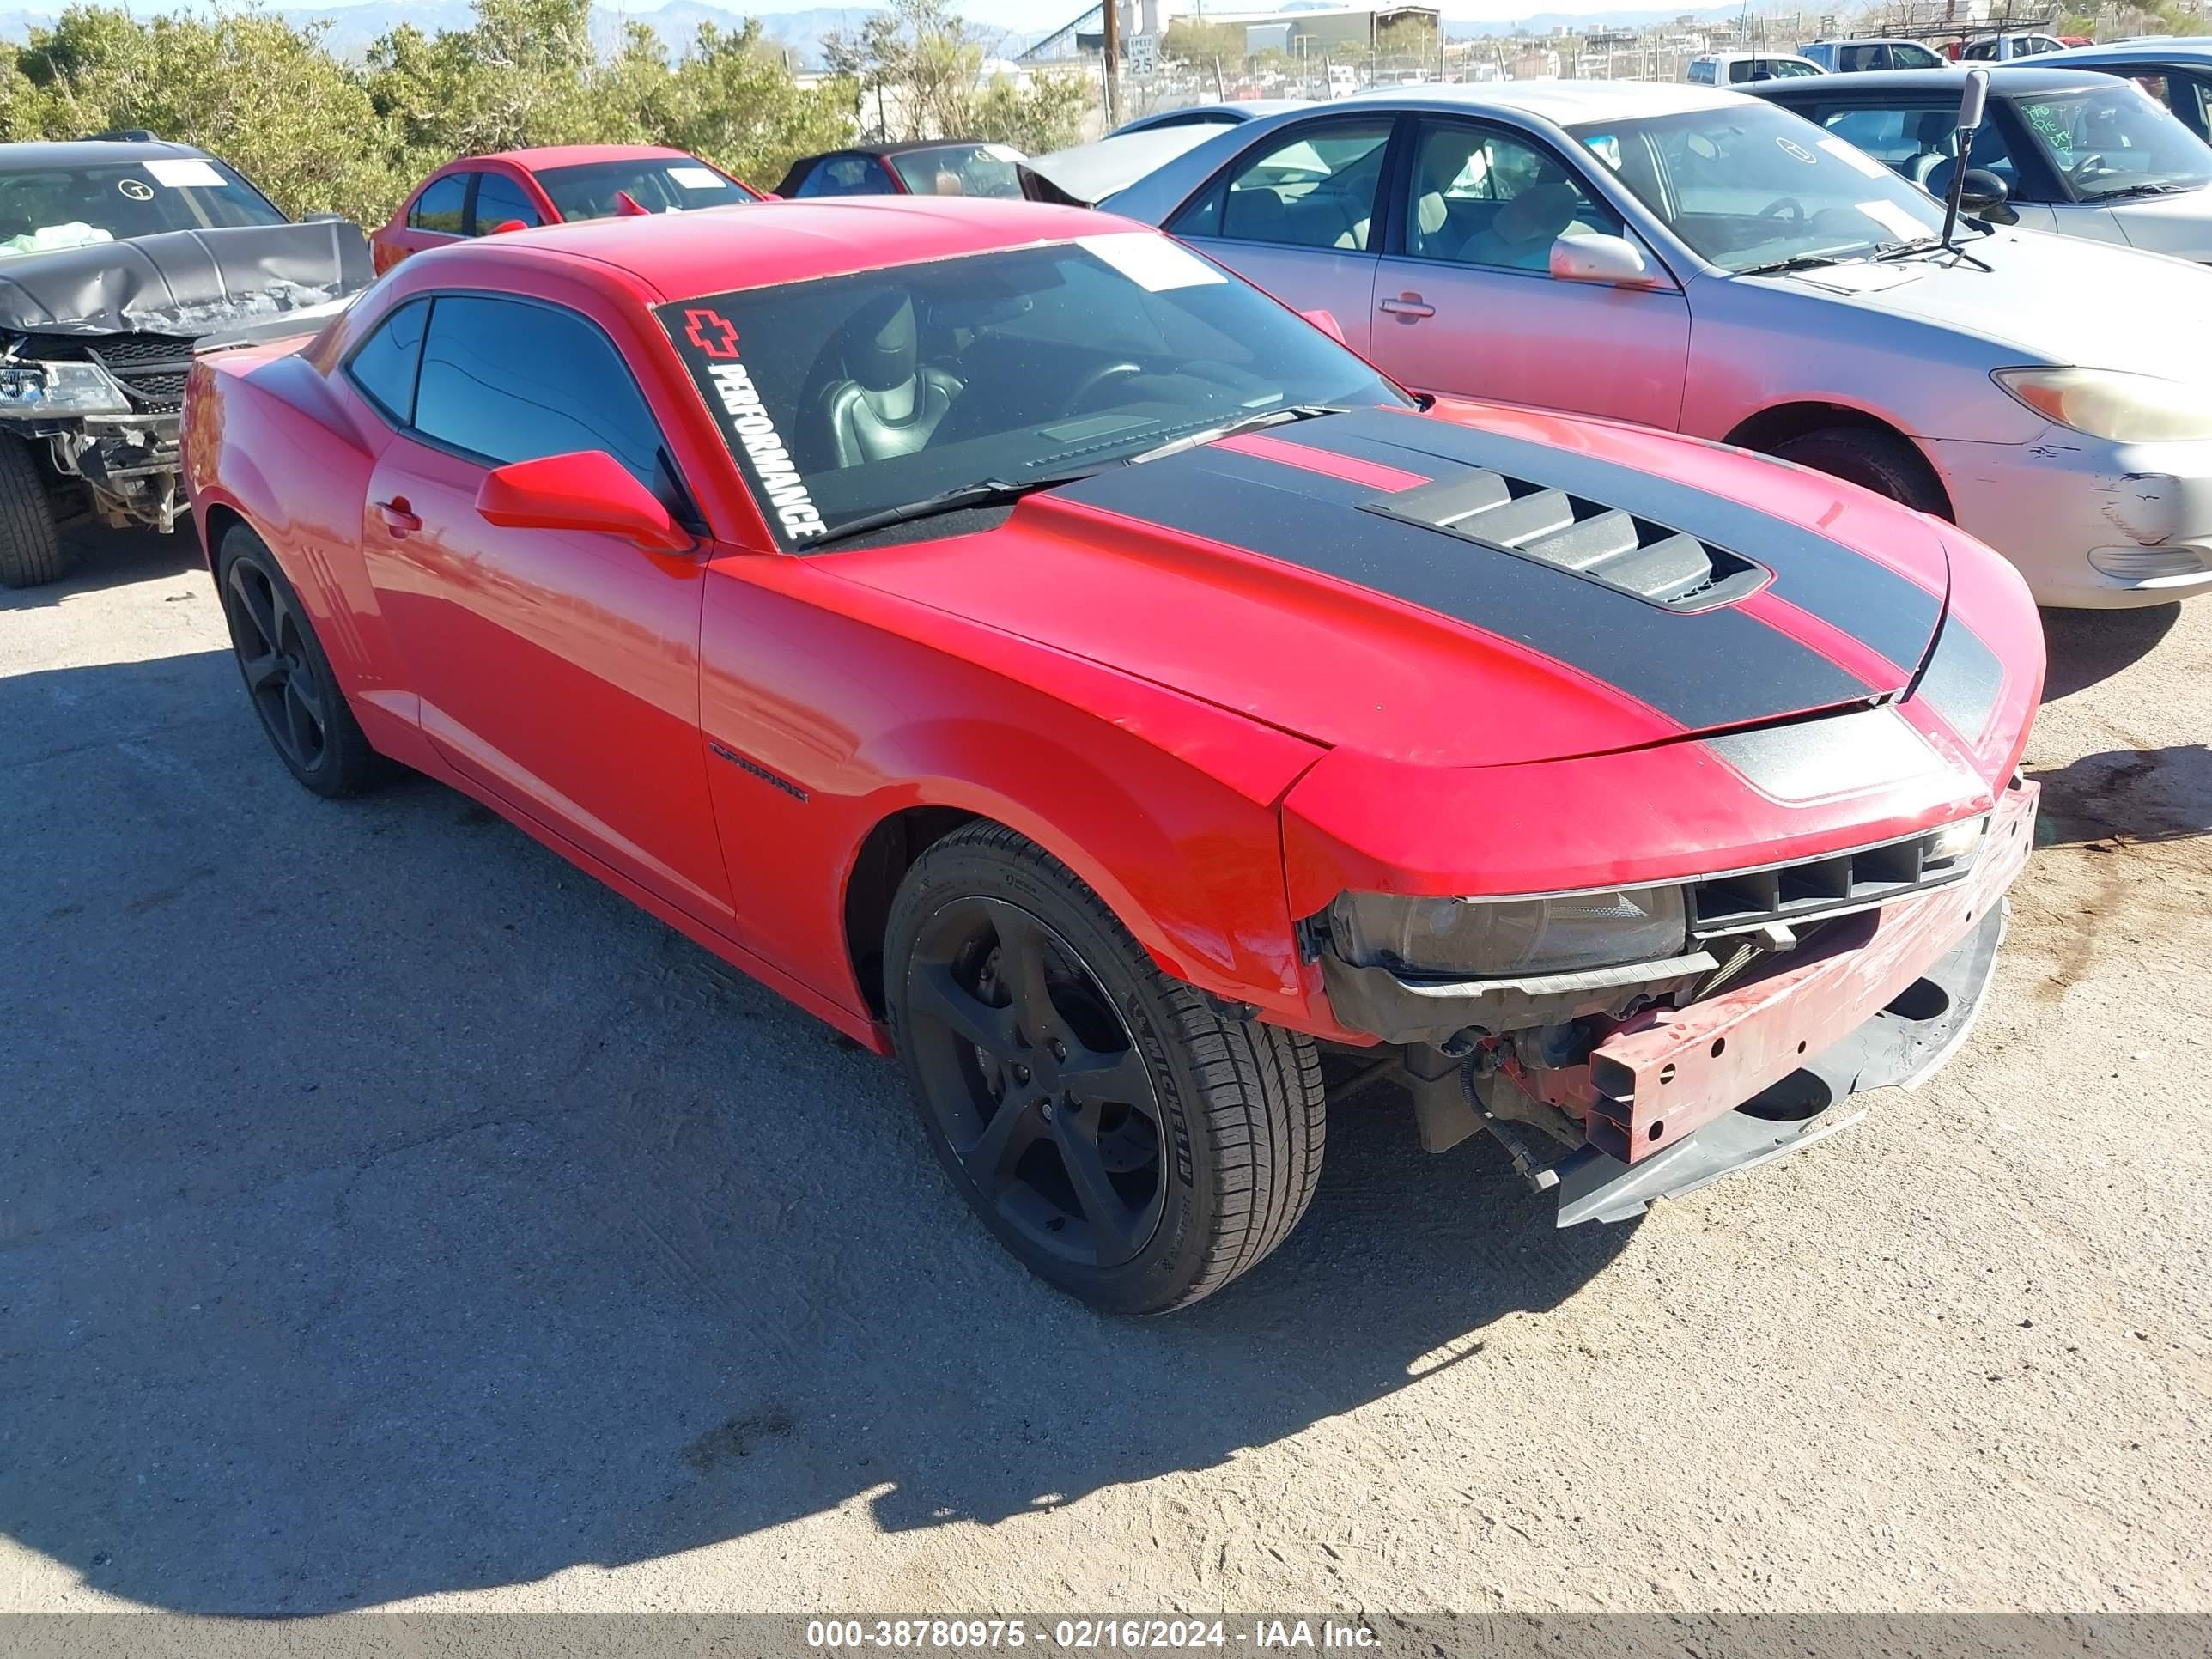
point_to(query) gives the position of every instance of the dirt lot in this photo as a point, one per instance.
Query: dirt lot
(389, 1215)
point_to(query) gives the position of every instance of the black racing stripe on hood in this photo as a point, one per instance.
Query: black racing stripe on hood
(1703, 669)
(1864, 598)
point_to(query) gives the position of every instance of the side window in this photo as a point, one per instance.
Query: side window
(1890, 136)
(1316, 190)
(1980, 49)
(1905, 55)
(1701, 73)
(439, 207)
(1482, 198)
(383, 367)
(511, 381)
(499, 198)
(1852, 59)
(846, 175)
(2191, 100)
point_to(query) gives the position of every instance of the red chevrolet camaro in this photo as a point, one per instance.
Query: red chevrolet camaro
(1044, 657)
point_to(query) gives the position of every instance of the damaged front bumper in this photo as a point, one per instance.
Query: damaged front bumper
(1668, 1098)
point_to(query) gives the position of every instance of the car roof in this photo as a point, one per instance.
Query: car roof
(684, 255)
(92, 152)
(2004, 79)
(2165, 46)
(546, 156)
(1565, 102)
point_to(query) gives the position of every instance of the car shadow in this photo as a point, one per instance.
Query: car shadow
(2126, 795)
(392, 1209)
(2087, 646)
(104, 558)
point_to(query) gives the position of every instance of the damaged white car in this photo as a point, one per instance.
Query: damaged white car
(117, 256)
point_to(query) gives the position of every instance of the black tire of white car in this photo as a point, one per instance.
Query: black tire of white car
(31, 550)
(1215, 1166)
(1879, 461)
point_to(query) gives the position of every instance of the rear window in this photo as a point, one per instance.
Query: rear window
(45, 208)
(960, 170)
(659, 184)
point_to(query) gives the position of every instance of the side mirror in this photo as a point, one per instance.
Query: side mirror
(1326, 322)
(1609, 261)
(1982, 191)
(506, 225)
(587, 491)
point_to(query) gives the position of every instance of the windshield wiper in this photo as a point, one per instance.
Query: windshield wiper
(2128, 191)
(1906, 249)
(1228, 430)
(1795, 262)
(983, 492)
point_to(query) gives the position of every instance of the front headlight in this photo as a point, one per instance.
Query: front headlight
(2106, 403)
(59, 389)
(1486, 938)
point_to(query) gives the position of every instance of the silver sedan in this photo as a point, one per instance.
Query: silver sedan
(1696, 259)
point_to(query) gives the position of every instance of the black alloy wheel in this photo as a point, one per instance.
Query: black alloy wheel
(1125, 1137)
(287, 675)
(1035, 1082)
(272, 657)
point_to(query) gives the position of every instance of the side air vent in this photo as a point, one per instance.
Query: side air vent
(1586, 539)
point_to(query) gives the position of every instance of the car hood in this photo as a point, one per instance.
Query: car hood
(183, 283)
(2035, 292)
(1431, 590)
(2180, 224)
(1086, 174)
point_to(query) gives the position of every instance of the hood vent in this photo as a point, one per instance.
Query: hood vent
(1586, 539)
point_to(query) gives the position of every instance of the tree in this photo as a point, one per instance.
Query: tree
(917, 70)
(1046, 115)
(1195, 42)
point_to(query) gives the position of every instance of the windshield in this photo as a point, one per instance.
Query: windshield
(1752, 185)
(960, 170)
(659, 184)
(847, 395)
(46, 208)
(2116, 141)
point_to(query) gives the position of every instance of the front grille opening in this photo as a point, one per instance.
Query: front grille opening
(1818, 887)
(1632, 555)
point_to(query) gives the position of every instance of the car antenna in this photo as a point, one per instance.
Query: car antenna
(1972, 103)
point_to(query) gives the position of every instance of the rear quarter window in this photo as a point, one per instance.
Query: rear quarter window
(439, 207)
(384, 366)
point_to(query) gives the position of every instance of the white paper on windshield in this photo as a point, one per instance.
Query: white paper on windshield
(1894, 220)
(1151, 262)
(696, 178)
(185, 175)
(1852, 156)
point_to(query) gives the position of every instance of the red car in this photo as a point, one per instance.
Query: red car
(516, 189)
(1043, 657)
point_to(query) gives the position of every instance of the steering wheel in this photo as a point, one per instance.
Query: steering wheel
(2091, 166)
(1088, 386)
(1783, 207)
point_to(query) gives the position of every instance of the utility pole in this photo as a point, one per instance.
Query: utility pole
(1111, 10)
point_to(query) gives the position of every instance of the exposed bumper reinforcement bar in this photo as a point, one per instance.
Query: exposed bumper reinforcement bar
(1892, 1048)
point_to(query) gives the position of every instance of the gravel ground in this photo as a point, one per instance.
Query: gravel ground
(389, 1215)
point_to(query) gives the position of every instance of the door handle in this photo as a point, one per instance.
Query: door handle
(398, 517)
(1409, 307)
